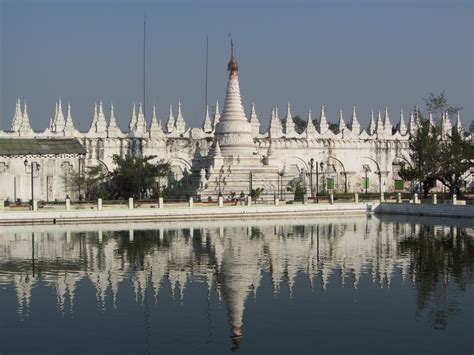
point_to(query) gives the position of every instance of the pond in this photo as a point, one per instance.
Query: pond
(335, 285)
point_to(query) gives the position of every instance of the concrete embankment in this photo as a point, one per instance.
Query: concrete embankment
(180, 213)
(425, 209)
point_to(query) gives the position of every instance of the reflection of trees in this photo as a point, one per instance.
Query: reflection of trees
(441, 264)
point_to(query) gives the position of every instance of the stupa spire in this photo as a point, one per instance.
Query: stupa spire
(341, 124)
(101, 124)
(170, 122)
(459, 126)
(69, 129)
(387, 123)
(372, 127)
(234, 131)
(180, 123)
(25, 121)
(17, 118)
(155, 125)
(402, 128)
(133, 120)
(217, 115)
(380, 129)
(275, 129)
(355, 125)
(310, 128)
(113, 129)
(254, 121)
(207, 125)
(323, 123)
(289, 124)
(60, 122)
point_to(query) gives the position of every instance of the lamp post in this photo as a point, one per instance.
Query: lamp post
(317, 183)
(321, 165)
(32, 168)
(311, 166)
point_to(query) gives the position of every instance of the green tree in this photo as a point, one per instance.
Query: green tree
(300, 124)
(136, 174)
(89, 181)
(423, 154)
(456, 156)
(256, 193)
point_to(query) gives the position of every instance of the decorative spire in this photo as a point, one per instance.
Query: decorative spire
(69, 129)
(412, 124)
(458, 126)
(17, 118)
(380, 129)
(372, 127)
(59, 122)
(207, 125)
(180, 123)
(216, 116)
(355, 125)
(141, 123)
(387, 123)
(323, 123)
(446, 126)
(113, 129)
(402, 128)
(25, 121)
(232, 66)
(430, 118)
(133, 120)
(101, 123)
(155, 125)
(254, 121)
(342, 124)
(310, 128)
(275, 129)
(289, 124)
(170, 124)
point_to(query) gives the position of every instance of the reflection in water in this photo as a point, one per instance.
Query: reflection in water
(231, 259)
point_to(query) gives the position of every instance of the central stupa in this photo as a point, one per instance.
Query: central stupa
(234, 132)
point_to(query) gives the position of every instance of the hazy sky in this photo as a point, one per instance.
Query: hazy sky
(336, 53)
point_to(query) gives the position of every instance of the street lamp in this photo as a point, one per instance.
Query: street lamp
(34, 169)
(311, 166)
(321, 166)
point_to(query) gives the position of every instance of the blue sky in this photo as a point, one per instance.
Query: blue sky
(370, 54)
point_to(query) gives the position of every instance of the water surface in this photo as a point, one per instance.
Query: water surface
(351, 285)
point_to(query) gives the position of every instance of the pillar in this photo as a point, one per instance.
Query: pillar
(356, 198)
(2, 205)
(99, 204)
(100, 236)
(382, 197)
(434, 199)
(221, 201)
(399, 197)
(35, 205)
(249, 200)
(130, 203)
(191, 202)
(454, 199)
(68, 204)
(331, 198)
(415, 198)
(130, 236)
(305, 198)
(160, 202)
(277, 201)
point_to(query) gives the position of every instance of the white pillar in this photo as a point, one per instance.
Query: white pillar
(454, 199)
(434, 199)
(331, 198)
(130, 235)
(399, 197)
(2, 205)
(277, 202)
(68, 204)
(382, 197)
(99, 204)
(249, 201)
(35, 205)
(191, 202)
(130, 203)
(415, 198)
(68, 237)
(356, 198)
(221, 201)
(100, 236)
(160, 202)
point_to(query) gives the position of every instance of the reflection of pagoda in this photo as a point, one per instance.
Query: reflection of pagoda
(229, 257)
